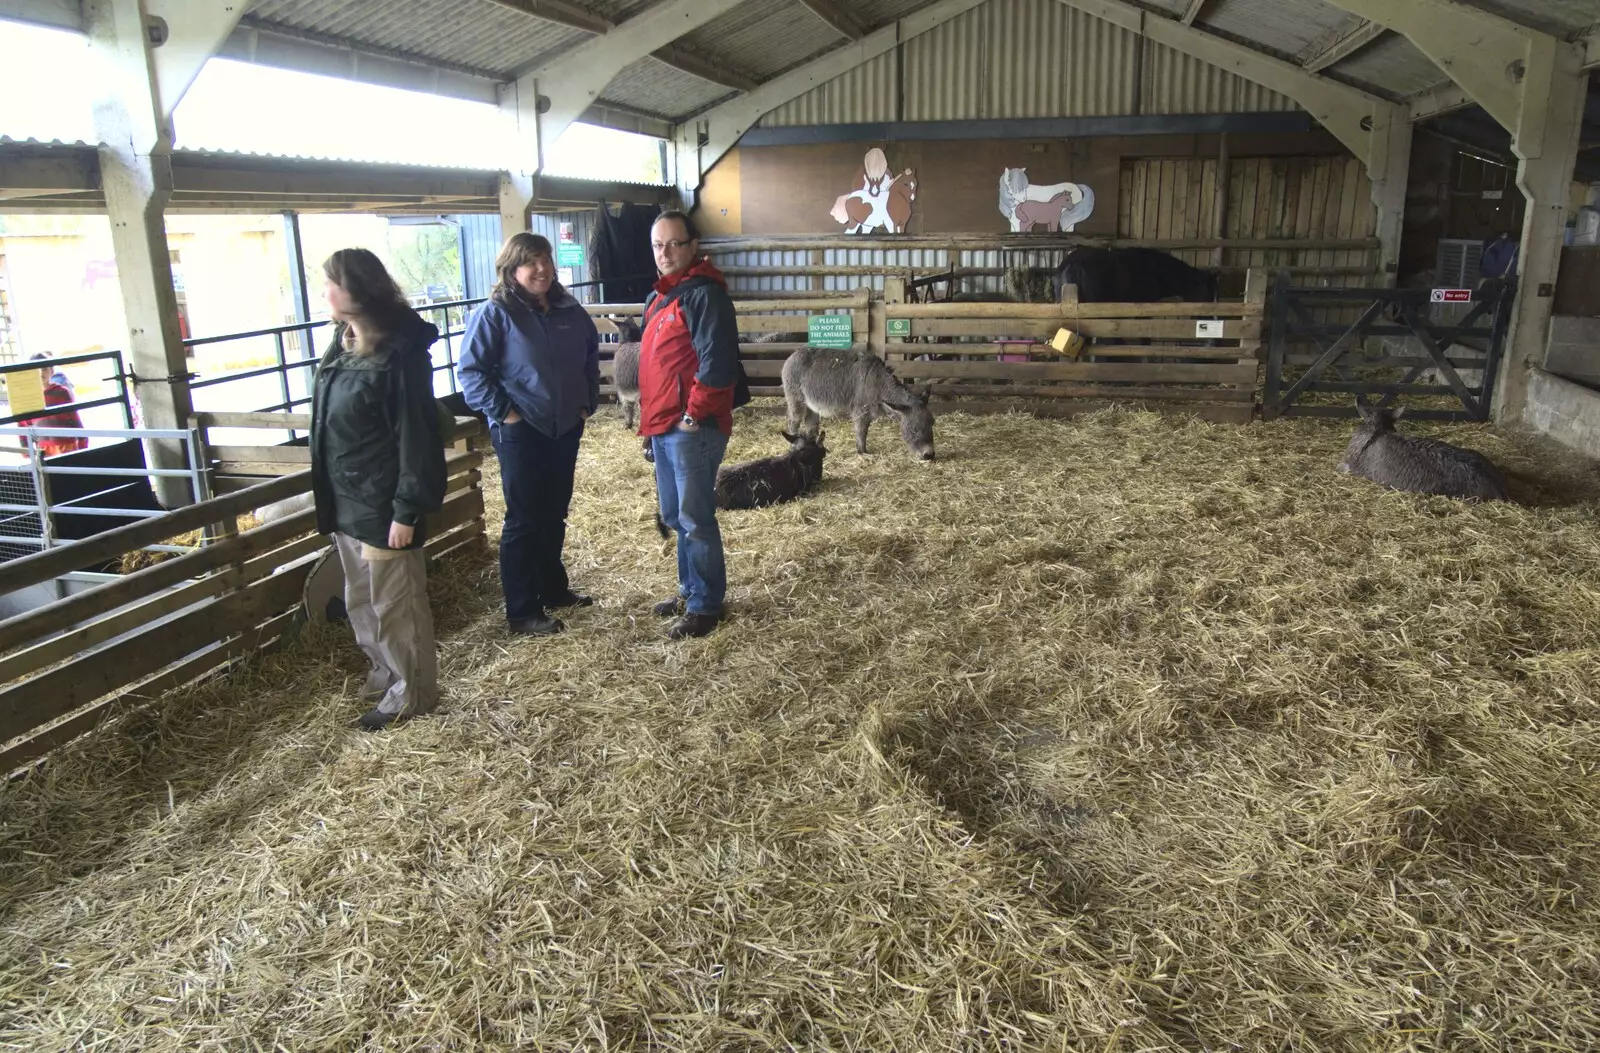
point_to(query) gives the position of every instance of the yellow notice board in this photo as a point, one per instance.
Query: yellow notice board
(25, 391)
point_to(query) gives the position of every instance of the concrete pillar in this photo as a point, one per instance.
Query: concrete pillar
(1554, 87)
(517, 192)
(1389, 168)
(136, 174)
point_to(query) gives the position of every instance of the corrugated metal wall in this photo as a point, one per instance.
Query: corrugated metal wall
(480, 243)
(1179, 83)
(582, 224)
(866, 93)
(1025, 58)
(891, 261)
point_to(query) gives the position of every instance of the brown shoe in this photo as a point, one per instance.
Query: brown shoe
(692, 624)
(668, 608)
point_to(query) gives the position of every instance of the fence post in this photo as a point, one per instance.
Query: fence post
(1277, 348)
(894, 292)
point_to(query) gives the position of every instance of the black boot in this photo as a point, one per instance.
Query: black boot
(377, 720)
(540, 624)
(570, 599)
(692, 624)
(668, 608)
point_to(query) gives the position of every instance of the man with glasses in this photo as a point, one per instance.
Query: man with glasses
(688, 381)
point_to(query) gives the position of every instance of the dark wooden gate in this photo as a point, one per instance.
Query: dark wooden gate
(1317, 347)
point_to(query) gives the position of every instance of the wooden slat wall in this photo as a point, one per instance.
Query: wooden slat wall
(1268, 197)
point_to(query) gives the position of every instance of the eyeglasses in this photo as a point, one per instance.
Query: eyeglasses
(673, 245)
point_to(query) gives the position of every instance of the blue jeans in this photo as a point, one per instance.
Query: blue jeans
(686, 486)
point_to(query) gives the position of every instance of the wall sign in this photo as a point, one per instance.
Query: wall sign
(1451, 296)
(569, 254)
(829, 330)
(1208, 330)
(900, 327)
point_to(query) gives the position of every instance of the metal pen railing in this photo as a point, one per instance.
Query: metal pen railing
(120, 377)
(31, 479)
(449, 316)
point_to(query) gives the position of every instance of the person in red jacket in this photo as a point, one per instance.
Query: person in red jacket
(688, 371)
(57, 392)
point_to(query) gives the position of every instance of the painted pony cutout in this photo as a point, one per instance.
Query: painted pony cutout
(1059, 206)
(881, 202)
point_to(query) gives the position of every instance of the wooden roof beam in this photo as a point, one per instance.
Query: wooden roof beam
(1192, 12)
(1349, 113)
(699, 143)
(1344, 45)
(841, 20)
(682, 58)
(551, 96)
(1479, 51)
(675, 55)
(561, 13)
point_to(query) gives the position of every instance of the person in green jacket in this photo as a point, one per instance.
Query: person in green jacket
(377, 468)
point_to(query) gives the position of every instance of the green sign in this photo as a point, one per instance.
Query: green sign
(569, 254)
(828, 330)
(900, 327)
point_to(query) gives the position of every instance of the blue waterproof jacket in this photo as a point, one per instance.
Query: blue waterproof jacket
(543, 364)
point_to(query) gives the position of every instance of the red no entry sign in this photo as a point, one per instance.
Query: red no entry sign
(1452, 296)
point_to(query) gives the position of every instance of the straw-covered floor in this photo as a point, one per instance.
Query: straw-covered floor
(1119, 733)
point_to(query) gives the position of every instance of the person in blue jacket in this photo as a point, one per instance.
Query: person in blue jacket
(530, 363)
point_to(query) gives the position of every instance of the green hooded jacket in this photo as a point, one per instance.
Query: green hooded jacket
(377, 454)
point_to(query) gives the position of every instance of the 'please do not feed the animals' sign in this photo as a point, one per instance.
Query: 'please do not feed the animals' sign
(829, 330)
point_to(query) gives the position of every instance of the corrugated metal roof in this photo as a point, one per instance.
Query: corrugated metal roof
(1287, 27)
(1392, 64)
(763, 38)
(473, 33)
(655, 87)
(1557, 17)
(1006, 57)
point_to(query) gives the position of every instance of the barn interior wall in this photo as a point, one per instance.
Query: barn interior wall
(792, 189)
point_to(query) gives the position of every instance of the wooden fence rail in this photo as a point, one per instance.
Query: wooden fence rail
(70, 665)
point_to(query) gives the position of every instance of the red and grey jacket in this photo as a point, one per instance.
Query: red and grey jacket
(689, 351)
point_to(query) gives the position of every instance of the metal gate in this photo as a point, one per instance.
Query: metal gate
(1396, 336)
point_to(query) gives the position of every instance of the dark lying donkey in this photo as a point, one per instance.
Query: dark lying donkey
(1424, 466)
(768, 480)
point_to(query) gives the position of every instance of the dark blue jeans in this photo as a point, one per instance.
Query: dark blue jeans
(536, 475)
(686, 486)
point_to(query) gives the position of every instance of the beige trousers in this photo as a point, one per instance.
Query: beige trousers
(387, 601)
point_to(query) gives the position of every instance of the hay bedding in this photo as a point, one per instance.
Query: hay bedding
(1123, 733)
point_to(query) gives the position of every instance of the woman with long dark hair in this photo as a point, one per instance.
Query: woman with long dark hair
(377, 468)
(530, 363)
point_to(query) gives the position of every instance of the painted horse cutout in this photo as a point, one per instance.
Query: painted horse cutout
(880, 202)
(1059, 206)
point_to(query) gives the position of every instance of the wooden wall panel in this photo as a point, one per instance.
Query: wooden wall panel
(1268, 197)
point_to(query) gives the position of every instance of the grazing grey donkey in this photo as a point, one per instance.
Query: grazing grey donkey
(823, 382)
(1424, 466)
(625, 371)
